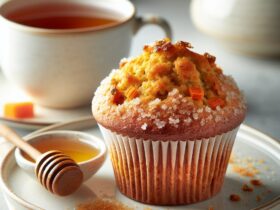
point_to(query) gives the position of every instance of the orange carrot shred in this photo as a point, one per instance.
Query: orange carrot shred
(214, 102)
(132, 93)
(196, 93)
(19, 110)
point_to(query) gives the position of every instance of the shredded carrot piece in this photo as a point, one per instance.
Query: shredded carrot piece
(196, 93)
(132, 93)
(214, 102)
(132, 79)
(19, 110)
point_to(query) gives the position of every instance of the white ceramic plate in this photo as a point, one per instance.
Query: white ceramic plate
(22, 192)
(43, 116)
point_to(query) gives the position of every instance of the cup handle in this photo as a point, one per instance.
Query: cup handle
(155, 20)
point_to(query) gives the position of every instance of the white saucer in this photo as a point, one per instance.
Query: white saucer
(43, 116)
(22, 192)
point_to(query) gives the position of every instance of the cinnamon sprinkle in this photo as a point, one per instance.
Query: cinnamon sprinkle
(234, 197)
(247, 188)
(258, 198)
(249, 172)
(103, 204)
(256, 182)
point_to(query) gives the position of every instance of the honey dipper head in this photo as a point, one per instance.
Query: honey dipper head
(58, 173)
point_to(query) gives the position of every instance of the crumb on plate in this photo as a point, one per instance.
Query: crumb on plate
(234, 197)
(247, 188)
(103, 204)
(256, 182)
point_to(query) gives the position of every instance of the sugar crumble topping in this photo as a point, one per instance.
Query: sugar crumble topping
(173, 121)
(173, 92)
(144, 126)
(136, 101)
(207, 109)
(202, 122)
(218, 118)
(164, 107)
(160, 124)
(154, 102)
(209, 118)
(174, 109)
(195, 116)
(188, 120)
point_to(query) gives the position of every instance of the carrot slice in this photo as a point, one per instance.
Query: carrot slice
(132, 93)
(214, 102)
(196, 93)
(19, 110)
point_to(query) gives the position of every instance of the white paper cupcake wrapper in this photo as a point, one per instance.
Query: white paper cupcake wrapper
(169, 172)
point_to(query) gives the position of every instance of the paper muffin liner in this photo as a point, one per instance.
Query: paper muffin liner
(169, 172)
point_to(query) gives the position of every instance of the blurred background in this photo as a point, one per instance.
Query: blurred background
(243, 35)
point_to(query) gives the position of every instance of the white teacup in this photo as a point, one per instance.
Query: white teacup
(250, 26)
(61, 68)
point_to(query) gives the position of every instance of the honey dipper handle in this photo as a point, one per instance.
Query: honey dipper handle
(13, 137)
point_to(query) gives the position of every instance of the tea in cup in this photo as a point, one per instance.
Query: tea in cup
(59, 51)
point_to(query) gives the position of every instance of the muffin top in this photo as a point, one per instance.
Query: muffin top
(168, 93)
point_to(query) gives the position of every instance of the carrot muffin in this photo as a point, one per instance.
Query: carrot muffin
(169, 117)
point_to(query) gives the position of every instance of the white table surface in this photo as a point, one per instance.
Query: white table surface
(259, 78)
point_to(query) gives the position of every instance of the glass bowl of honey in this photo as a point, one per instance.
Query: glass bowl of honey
(87, 150)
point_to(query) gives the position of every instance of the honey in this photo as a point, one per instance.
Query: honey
(79, 151)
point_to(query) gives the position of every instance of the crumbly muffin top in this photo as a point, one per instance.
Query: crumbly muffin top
(163, 67)
(168, 87)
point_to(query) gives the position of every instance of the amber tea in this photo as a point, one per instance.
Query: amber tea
(61, 16)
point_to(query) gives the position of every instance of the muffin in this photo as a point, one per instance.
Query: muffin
(169, 118)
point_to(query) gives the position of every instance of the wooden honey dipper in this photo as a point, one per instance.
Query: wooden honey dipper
(57, 172)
